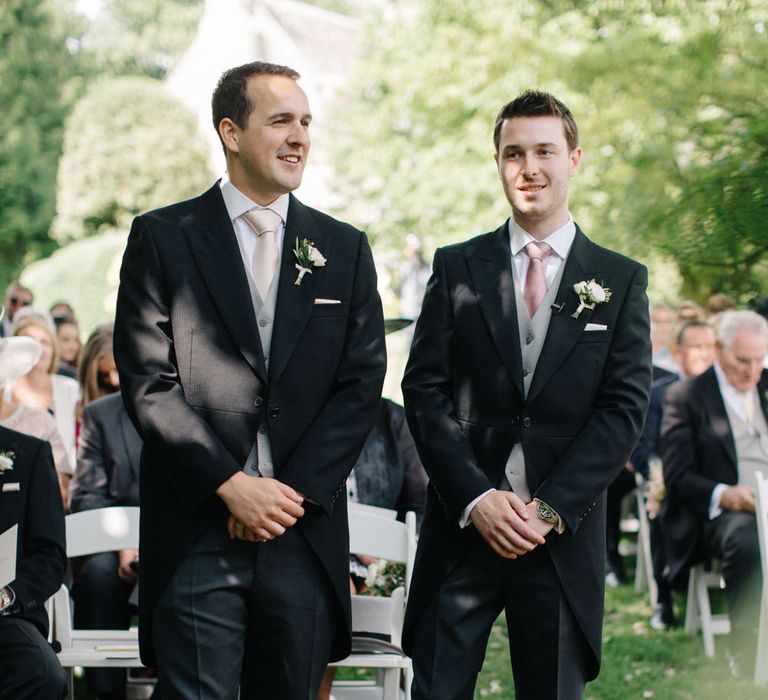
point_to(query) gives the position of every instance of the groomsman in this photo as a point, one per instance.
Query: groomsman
(525, 391)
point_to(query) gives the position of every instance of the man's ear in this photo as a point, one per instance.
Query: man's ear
(228, 131)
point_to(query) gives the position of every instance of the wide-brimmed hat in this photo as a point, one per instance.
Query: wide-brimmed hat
(18, 355)
(396, 324)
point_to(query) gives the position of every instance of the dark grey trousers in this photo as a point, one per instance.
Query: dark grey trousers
(237, 615)
(548, 651)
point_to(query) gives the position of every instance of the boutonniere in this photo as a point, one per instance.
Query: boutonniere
(590, 295)
(6, 461)
(308, 257)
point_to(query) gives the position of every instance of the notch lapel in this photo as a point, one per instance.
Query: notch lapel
(719, 424)
(212, 241)
(295, 302)
(490, 267)
(564, 330)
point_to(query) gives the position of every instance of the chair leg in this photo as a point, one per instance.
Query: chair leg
(692, 617)
(761, 667)
(705, 614)
(391, 684)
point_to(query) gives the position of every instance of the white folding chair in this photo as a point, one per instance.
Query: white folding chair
(374, 532)
(644, 563)
(698, 611)
(91, 532)
(761, 511)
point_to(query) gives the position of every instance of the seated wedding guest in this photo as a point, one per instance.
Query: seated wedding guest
(714, 436)
(97, 372)
(107, 475)
(17, 356)
(17, 296)
(61, 309)
(662, 322)
(41, 387)
(29, 669)
(68, 338)
(694, 351)
(718, 303)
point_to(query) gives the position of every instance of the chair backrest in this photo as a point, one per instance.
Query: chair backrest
(102, 530)
(374, 532)
(761, 511)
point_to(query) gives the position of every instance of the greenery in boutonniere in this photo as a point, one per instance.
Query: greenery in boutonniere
(308, 256)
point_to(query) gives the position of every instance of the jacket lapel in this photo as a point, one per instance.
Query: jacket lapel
(490, 266)
(295, 301)
(214, 246)
(564, 330)
(719, 423)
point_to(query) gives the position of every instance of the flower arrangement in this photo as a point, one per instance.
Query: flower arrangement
(384, 577)
(6, 461)
(308, 256)
(590, 295)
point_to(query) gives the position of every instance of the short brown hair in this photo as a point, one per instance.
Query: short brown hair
(230, 98)
(98, 345)
(535, 103)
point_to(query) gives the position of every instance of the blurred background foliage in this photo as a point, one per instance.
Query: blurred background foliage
(669, 95)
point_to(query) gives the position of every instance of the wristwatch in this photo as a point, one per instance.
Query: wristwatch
(547, 513)
(6, 601)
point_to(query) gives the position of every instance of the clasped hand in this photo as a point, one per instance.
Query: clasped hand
(510, 526)
(260, 508)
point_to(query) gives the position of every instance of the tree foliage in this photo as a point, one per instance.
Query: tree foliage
(669, 96)
(34, 68)
(141, 37)
(128, 147)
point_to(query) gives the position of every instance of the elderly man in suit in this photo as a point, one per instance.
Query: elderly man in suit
(30, 499)
(714, 436)
(525, 391)
(250, 343)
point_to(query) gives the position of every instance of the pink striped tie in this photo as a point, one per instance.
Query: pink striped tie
(536, 279)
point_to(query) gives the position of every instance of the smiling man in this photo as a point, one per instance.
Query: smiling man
(525, 398)
(253, 385)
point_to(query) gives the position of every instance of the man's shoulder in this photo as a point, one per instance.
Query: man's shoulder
(322, 221)
(179, 211)
(691, 388)
(12, 440)
(605, 257)
(476, 245)
(104, 405)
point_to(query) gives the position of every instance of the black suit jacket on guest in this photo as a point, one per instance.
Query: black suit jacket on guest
(108, 458)
(196, 386)
(35, 506)
(698, 452)
(465, 404)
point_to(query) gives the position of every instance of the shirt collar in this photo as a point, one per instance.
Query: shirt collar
(560, 241)
(238, 204)
(726, 388)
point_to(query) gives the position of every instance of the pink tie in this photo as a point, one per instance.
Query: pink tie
(266, 223)
(535, 280)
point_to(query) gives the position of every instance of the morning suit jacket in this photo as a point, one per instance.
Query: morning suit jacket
(108, 457)
(465, 404)
(196, 387)
(698, 453)
(30, 498)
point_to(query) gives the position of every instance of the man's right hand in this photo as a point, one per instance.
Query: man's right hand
(500, 517)
(266, 507)
(738, 498)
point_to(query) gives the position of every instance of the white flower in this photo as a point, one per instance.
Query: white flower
(315, 256)
(590, 295)
(6, 461)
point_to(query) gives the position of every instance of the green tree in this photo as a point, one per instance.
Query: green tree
(35, 66)
(141, 37)
(128, 147)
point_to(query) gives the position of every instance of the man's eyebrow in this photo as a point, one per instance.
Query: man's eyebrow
(288, 115)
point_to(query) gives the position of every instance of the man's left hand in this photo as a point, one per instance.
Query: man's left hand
(125, 571)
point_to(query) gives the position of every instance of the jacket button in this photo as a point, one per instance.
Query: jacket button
(274, 412)
(515, 420)
(527, 422)
(258, 401)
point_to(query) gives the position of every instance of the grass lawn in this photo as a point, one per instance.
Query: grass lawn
(638, 662)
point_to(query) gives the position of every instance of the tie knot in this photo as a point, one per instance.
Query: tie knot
(263, 220)
(537, 251)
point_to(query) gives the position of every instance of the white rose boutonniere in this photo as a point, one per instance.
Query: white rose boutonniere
(6, 461)
(590, 295)
(308, 257)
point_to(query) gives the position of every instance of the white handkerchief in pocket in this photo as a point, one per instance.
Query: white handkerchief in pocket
(11, 486)
(327, 301)
(595, 327)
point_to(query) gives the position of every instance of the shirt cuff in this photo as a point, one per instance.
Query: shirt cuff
(714, 501)
(464, 517)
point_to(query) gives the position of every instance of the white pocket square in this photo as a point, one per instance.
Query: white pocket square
(327, 301)
(11, 486)
(595, 327)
